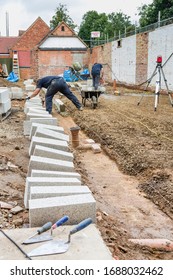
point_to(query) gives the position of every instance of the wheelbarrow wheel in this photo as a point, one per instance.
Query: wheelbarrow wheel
(94, 102)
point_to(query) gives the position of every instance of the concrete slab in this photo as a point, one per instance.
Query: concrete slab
(34, 106)
(41, 163)
(47, 152)
(47, 126)
(47, 173)
(77, 207)
(36, 115)
(27, 124)
(47, 181)
(54, 191)
(47, 133)
(86, 244)
(47, 142)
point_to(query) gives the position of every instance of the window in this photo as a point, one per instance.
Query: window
(62, 28)
(119, 43)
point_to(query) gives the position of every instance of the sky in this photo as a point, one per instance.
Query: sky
(20, 14)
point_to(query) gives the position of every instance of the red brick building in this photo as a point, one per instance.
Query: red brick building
(40, 51)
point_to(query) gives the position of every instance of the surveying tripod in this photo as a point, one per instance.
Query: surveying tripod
(159, 71)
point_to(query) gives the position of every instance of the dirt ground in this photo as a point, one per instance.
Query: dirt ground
(131, 179)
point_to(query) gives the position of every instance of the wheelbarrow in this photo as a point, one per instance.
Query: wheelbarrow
(92, 96)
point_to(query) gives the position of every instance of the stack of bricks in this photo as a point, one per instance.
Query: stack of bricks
(5, 102)
(53, 188)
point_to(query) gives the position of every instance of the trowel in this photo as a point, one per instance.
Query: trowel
(59, 246)
(39, 237)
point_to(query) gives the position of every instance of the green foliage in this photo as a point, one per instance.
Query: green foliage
(108, 25)
(61, 15)
(149, 13)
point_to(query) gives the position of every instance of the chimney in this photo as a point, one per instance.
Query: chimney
(7, 24)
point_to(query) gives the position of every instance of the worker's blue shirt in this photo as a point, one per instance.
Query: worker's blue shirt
(46, 81)
(96, 69)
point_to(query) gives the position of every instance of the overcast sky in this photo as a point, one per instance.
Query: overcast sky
(22, 13)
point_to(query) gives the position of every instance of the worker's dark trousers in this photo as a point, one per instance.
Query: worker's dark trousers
(96, 80)
(61, 86)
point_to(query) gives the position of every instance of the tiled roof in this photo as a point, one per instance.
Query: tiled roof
(6, 43)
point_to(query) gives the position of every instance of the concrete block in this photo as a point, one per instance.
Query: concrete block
(96, 148)
(4, 94)
(28, 105)
(27, 109)
(77, 207)
(54, 191)
(47, 133)
(16, 93)
(47, 181)
(47, 142)
(47, 126)
(29, 87)
(42, 151)
(47, 173)
(41, 163)
(37, 110)
(59, 105)
(44, 114)
(27, 124)
(5, 106)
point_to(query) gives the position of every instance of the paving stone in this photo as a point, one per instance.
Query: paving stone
(41, 163)
(47, 181)
(47, 133)
(77, 207)
(47, 173)
(47, 126)
(54, 191)
(47, 152)
(47, 142)
(38, 115)
(27, 124)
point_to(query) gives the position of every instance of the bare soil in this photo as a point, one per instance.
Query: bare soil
(131, 179)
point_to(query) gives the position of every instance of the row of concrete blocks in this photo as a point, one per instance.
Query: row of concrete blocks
(5, 101)
(53, 188)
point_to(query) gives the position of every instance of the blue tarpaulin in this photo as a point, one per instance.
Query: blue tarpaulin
(12, 77)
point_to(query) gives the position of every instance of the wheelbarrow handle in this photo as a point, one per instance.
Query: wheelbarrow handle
(81, 225)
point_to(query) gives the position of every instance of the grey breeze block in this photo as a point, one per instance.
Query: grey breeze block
(47, 126)
(53, 191)
(47, 133)
(47, 181)
(27, 124)
(41, 163)
(47, 142)
(77, 207)
(47, 152)
(47, 173)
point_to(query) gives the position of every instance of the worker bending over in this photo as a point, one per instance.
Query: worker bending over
(53, 84)
(97, 74)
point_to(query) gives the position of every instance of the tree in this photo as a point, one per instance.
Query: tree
(149, 13)
(61, 15)
(92, 21)
(108, 25)
(119, 22)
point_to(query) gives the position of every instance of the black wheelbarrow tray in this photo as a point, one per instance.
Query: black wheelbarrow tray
(92, 96)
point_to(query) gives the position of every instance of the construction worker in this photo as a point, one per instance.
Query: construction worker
(97, 74)
(53, 84)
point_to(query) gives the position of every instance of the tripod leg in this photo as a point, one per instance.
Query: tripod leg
(149, 81)
(157, 90)
(170, 98)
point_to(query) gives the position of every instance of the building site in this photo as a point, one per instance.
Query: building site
(90, 177)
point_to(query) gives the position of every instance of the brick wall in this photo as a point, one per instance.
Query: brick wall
(141, 57)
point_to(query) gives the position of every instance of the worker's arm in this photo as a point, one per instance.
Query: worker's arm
(36, 91)
(101, 73)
